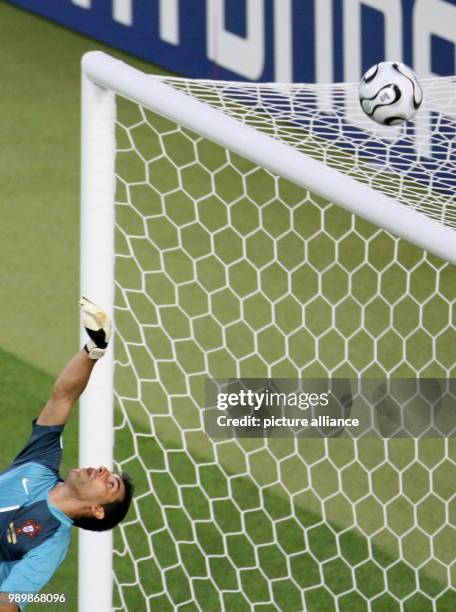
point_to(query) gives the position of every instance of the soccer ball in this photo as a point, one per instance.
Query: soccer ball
(390, 93)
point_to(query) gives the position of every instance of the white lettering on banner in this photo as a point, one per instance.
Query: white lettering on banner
(324, 66)
(122, 11)
(430, 17)
(83, 3)
(283, 49)
(353, 39)
(169, 21)
(245, 56)
(354, 44)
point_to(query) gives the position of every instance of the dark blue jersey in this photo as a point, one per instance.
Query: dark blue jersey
(34, 534)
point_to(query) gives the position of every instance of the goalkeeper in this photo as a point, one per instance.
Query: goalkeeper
(37, 507)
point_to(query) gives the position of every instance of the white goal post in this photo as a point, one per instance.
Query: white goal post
(103, 78)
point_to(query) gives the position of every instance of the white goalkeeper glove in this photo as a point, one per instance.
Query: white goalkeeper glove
(97, 326)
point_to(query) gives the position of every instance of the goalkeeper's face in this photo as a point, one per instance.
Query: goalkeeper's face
(96, 485)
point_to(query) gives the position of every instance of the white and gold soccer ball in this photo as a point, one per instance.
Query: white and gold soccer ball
(390, 93)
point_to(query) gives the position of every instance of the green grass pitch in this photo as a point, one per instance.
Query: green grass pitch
(238, 519)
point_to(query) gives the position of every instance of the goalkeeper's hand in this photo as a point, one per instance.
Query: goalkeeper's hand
(97, 326)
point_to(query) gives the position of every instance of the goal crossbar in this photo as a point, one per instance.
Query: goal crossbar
(271, 154)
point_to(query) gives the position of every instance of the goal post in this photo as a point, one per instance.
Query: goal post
(97, 282)
(228, 236)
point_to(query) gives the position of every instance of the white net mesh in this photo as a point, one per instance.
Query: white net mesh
(226, 270)
(415, 163)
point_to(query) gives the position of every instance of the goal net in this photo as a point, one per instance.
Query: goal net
(265, 231)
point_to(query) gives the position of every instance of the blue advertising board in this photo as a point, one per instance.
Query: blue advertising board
(268, 40)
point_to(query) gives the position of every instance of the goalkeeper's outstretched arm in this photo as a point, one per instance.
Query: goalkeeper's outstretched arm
(74, 377)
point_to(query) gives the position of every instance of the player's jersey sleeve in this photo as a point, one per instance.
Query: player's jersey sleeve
(44, 446)
(36, 568)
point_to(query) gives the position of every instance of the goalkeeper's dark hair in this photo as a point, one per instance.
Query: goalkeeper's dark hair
(114, 512)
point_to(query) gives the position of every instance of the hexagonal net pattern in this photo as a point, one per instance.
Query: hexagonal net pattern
(224, 269)
(414, 164)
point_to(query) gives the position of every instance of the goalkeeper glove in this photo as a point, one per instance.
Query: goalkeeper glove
(97, 326)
